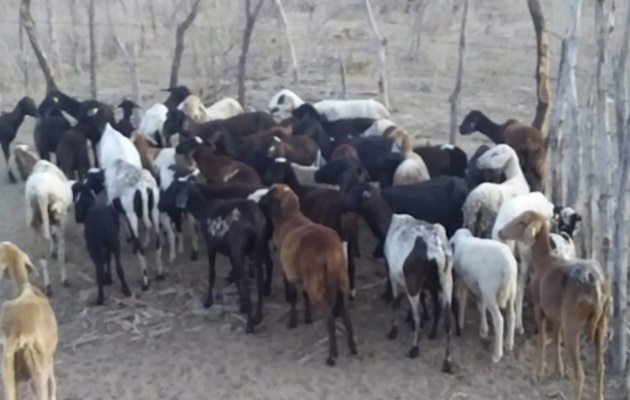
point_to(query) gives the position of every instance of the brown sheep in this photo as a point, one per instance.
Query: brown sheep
(29, 329)
(299, 149)
(527, 141)
(147, 149)
(572, 295)
(344, 150)
(72, 154)
(312, 256)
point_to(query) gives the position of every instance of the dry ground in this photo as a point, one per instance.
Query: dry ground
(163, 344)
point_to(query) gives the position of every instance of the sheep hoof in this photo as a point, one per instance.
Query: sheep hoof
(496, 358)
(145, 287)
(249, 328)
(292, 322)
(414, 352)
(126, 291)
(160, 277)
(65, 283)
(208, 303)
(447, 368)
(330, 362)
(49, 292)
(99, 302)
(12, 177)
(194, 255)
(393, 333)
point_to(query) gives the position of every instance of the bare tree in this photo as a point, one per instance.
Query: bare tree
(287, 28)
(382, 55)
(129, 51)
(416, 30)
(573, 179)
(251, 14)
(454, 97)
(52, 35)
(543, 91)
(93, 57)
(179, 42)
(76, 43)
(23, 57)
(27, 22)
(603, 26)
(620, 241)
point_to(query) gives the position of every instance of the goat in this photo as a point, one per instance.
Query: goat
(10, 123)
(527, 141)
(124, 125)
(572, 295)
(72, 153)
(29, 330)
(312, 256)
(194, 109)
(476, 176)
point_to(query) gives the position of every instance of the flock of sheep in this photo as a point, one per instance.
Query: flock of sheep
(299, 175)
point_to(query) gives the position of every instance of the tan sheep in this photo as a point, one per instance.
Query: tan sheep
(29, 330)
(572, 295)
(25, 160)
(412, 169)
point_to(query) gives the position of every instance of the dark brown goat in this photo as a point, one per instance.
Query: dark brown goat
(344, 150)
(312, 256)
(300, 149)
(72, 154)
(527, 141)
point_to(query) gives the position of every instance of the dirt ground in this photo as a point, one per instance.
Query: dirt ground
(163, 344)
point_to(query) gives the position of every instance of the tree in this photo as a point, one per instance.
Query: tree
(179, 42)
(251, 14)
(93, 56)
(26, 19)
(382, 55)
(542, 64)
(287, 29)
(454, 97)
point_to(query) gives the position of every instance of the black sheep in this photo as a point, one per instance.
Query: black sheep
(10, 123)
(124, 125)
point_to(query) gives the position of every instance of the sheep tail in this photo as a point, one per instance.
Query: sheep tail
(146, 198)
(42, 203)
(336, 277)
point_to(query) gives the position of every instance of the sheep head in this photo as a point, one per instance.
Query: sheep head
(524, 228)
(470, 122)
(27, 106)
(566, 219)
(15, 262)
(278, 202)
(176, 96)
(25, 160)
(84, 198)
(496, 158)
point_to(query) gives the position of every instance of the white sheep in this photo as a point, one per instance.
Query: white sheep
(413, 169)
(48, 197)
(379, 127)
(114, 145)
(488, 269)
(283, 103)
(29, 330)
(225, 108)
(152, 122)
(482, 204)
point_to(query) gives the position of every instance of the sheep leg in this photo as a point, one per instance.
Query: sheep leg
(425, 312)
(520, 290)
(437, 310)
(170, 236)
(541, 322)
(132, 224)
(194, 235)
(155, 219)
(291, 292)
(345, 315)
(446, 366)
(211, 275)
(483, 319)
(393, 333)
(8, 374)
(414, 301)
(40, 382)
(52, 382)
(7, 158)
(333, 351)
(107, 276)
(353, 244)
(572, 327)
(308, 314)
(510, 325)
(61, 250)
(121, 275)
(351, 269)
(497, 323)
(237, 259)
(557, 341)
(100, 282)
(266, 254)
(378, 251)
(462, 295)
(260, 289)
(600, 338)
(388, 295)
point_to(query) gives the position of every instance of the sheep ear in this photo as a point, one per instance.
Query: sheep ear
(29, 265)
(281, 99)
(92, 112)
(533, 229)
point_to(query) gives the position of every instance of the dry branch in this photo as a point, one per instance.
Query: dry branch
(27, 22)
(342, 73)
(179, 42)
(454, 97)
(130, 54)
(287, 28)
(250, 20)
(382, 55)
(542, 65)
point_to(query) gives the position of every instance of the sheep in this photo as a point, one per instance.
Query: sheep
(177, 94)
(380, 127)
(344, 150)
(283, 103)
(101, 237)
(124, 125)
(483, 202)
(334, 110)
(476, 176)
(152, 123)
(488, 269)
(417, 254)
(95, 115)
(458, 159)
(572, 295)
(113, 146)
(49, 129)
(235, 228)
(566, 219)
(255, 150)
(72, 153)
(562, 245)
(147, 149)
(214, 168)
(134, 193)
(299, 149)
(527, 141)
(337, 130)
(10, 123)
(194, 109)
(321, 205)
(29, 330)
(311, 255)
(25, 160)
(48, 197)
(412, 169)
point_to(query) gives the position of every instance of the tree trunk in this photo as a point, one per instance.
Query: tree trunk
(55, 61)
(602, 149)
(418, 24)
(454, 97)
(588, 135)
(573, 180)
(382, 56)
(554, 136)
(179, 43)
(93, 58)
(342, 72)
(31, 31)
(76, 44)
(294, 62)
(130, 54)
(620, 241)
(542, 65)
(250, 21)
(23, 57)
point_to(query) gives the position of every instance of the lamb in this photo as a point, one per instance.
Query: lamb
(311, 255)
(10, 123)
(488, 269)
(484, 201)
(72, 153)
(48, 197)
(572, 295)
(29, 330)
(412, 169)
(417, 254)
(527, 141)
(101, 237)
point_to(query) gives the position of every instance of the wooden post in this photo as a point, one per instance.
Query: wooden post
(416, 30)
(93, 56)
(250, 20)
(287, 29)
(575, 165)
(342, 72)
(52, 36)
(23, 57)
(31, 31)
(454, 97)
(76, 44)
(179, 43)
(543, 91)
(382, 55)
